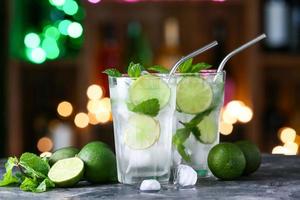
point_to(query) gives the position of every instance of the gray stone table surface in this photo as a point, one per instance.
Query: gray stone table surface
(277, 178)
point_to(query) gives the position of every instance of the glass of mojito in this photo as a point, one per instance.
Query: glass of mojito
(199, 98)
(143, 108)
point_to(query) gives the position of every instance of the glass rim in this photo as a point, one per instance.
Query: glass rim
(202, 72)
(155, 75)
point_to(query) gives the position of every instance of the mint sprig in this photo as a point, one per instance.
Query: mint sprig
(113, 72)
(149, 107)
(135, 69)
(159, 69)
(31, 175)
(183, 134)
(189, 67)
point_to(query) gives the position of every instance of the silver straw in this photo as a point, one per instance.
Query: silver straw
(191, 55)
(244, 46)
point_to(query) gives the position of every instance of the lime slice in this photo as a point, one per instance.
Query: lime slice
(67, 172)
(149, 87)
(208, 129)
(142, 132)
(194, 95)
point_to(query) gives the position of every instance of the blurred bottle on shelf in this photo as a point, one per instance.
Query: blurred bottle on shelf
(138, 47)
(276, 24)
(295, 26)
(170, 52)
(109, 53)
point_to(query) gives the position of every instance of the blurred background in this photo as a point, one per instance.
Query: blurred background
(53, 94)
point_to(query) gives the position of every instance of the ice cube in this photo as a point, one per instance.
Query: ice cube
(150, 185)
(185, 176)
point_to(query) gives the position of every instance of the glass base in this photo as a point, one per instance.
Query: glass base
(132, 180)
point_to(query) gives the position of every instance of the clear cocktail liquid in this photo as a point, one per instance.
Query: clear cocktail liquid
(142, 158)
(209, 127)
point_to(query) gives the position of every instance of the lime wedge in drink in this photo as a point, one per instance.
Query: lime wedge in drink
(142, 132)
(67, 172)
(149, 87)
(208, 128)
(194, 95)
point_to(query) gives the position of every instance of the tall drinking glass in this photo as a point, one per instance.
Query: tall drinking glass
(199, 99)
(143, 110)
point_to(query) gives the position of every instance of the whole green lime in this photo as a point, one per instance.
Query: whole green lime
(99, 162)
(226, 161)
(252, 155)
(62, 153)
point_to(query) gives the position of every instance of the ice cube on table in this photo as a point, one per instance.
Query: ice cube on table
(150, 185)
(185, 176)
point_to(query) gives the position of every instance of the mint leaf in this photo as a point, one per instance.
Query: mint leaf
(178, 139)
(185, 67)
(197, 119)
(199, 66)
(45, 185)
(34, 165)
(113, 72)
(159, 69)
(149, 107)
(8, 177)
(135, 70)
(29, 184)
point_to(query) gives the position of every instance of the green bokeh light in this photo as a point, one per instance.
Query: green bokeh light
(75, 30)
(70, 7)
(57, 2)
(52, 32)
(63, 26)
(50, 47)
(32, 40)
(36, 55)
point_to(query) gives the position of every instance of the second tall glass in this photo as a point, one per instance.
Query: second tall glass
(199, 99)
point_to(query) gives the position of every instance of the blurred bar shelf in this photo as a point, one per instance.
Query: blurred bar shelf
(280, 60)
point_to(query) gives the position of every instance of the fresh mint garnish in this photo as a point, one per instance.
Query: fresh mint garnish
(149, 107)
(178, 139)
(186, 66)
(135, 69)
(199, 66)
(113, 72)
(32, 174)
(159, 69)
(182, 134)
(189, 67)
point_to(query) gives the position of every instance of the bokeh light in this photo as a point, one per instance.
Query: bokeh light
(94, 1)
(287, 134)
(75, 30)
(64, 109)
(227, 117)
(46, 154)
(57, 2)
(279, 150)
(225, 128)
(291, 148)
(103, 117)
(32, 40)
(45, 144)
(93, 106)
(51, 48)
(38, 55)
(234, 108)
(63, 26)
(245, 115)
(94, 92)
(70, 7)
(93, 119)
(81, 120)
(52, 32)
(105, 104)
